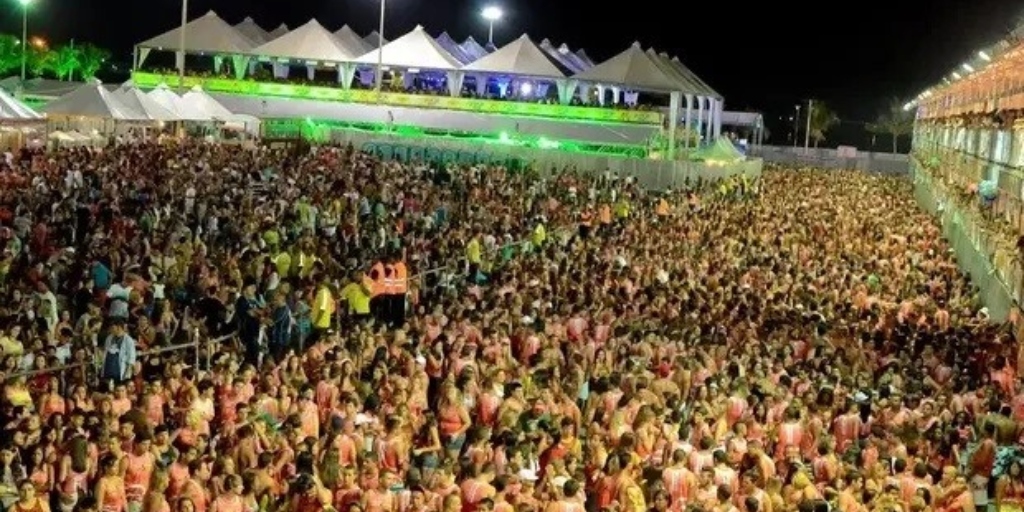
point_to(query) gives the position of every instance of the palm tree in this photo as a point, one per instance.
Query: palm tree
(10, 53)
(40, 61)
(894, 122)
(822, 120)
(91, 59)
(66, 61)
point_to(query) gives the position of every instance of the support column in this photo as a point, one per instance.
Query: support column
(699, 128)
(687, 120)
(600, 95)
(673, 119)
(720, 105)
(616, 95)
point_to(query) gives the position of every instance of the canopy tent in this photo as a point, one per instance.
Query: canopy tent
(520, 57)
(138, 101)
(205, 105)
(374, 40)
(569, 56)
(208, 34)
(253, 31)
(95, 101)
(310, 42)
(281, 30)
(560, 57)
(415, 50)
(453, 48)
(679, 65)
(631, 68)
(166, 98)
(721, 151)
(584, 58)
(691, 85)
(13, 110)
(473, 48)
(351, 40)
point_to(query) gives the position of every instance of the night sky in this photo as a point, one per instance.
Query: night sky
(764, 56)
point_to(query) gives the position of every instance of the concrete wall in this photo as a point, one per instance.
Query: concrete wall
(885, 163)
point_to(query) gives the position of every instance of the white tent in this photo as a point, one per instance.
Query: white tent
(520, 57)
(473, 48)
(138, 101)
(561, 57)
(632, 68)
(281, 30)
(584, 58)
(373, 39)
(202, 102)
(92, 100)
(249, 28)
(453, 48)
(351, 40)
(677, 64)
(206, 34)
(310, 42)
(690, 85)
(415, 50)
(13, 110)
(166, 98)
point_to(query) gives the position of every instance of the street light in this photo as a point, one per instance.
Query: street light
(491, 14)
(24, 36)
(380, 50)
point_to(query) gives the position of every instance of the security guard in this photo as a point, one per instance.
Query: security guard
(377, 283)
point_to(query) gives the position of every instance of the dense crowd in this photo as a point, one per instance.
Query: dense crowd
(803, 342)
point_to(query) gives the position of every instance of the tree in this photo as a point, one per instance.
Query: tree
(894, 122)
(40, 61)
(91, 59)
(66, 61)
(822, 120)
(10, 53)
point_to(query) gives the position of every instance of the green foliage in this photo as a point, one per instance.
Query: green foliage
(894, 122)
(822, 120)
(66, 60)
(10, 53)
(91, 59)
(39, 61)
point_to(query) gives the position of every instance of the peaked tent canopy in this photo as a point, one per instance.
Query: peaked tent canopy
(310, 42)
(13, 110)
(281, 30)
(413, 50)
(692, 87)
(138, 101)
(520, 57)
(569, 56)
(721, 151)
(453, 48)
(164, 96)
(198, 99)
(206, 34)
(374, 40)
(473, 48)
(632, 68)
(351, 40)
(675, 62)
(558, 56)
(91, 99)
(249, 28)
(584, 58)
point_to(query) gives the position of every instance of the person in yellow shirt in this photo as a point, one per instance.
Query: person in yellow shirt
(539, 236)
(357, 297)
(323, 308)
(474, 256)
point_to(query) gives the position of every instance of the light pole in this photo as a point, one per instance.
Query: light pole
(24, 37)
(181, 45)
(807, 133)
(491, 14)
(796, 125)
(380, 49)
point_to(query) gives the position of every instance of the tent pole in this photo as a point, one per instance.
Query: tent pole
(181, 45)
(673, 121)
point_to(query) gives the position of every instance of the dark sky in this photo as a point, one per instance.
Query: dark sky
(764, 56)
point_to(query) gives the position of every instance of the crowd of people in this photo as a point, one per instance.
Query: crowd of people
(802, 342)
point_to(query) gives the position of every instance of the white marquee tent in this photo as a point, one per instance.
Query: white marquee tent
(351, 40)
(310, 42)
(208, 34)
(373, 39)
(631, 68)
(138, 101)
(584, 58)
(690, 85)
(166, 98)
(561, 57)
(453, 48)
(250, 29)
(203, 103)
(415, 50)
(473, 48)
(520, 57)
(13, 110)
(92, 100)
(281, 30)
(675, 62)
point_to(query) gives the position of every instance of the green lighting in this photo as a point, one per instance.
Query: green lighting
(311, 92)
